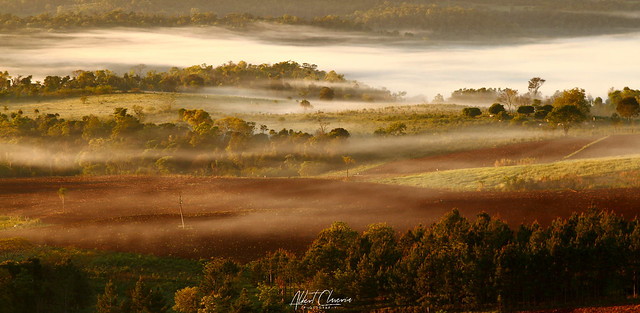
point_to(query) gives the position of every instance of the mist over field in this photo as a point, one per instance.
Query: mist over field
(407, 156)
(594, 63)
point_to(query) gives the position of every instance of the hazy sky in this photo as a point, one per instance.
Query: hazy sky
(593, 63)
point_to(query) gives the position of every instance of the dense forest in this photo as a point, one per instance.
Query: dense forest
(454, 264)
(306, 9)
(413, 20)
(284, 79)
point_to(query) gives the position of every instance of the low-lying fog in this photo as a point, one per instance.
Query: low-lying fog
(594, 63)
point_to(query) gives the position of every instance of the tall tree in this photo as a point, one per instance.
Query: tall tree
(628, 107)
(508, 97)
(575, 97)
(566, 116)
(144, 299)
(348, 161)
(108, 301)
(329, 251)
(62, 192)
(534, 86)
(187, 300)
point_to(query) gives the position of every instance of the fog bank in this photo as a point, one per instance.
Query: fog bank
(593, 63)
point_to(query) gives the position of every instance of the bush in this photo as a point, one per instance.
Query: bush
(526, 109)
(496, 108)
(519, 120)
(503, 116)
(471, 112)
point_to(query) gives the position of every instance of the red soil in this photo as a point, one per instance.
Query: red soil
(611, 146)
(244, 218)
(542, 151)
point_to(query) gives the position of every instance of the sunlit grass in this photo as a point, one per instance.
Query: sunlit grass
(354, 171)
(603, 172)
(12, 222)
(276, 113)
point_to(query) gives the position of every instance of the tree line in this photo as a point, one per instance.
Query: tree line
(455, 264)
(292, 7)
(282, 78)
(120, 18)
(564, 109)
(197, 144)
(470, 21)
(431, 20)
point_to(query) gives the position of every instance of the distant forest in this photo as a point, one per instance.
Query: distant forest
(305, 8)
(419, 19)
(288, 78)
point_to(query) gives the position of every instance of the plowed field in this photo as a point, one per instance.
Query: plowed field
(244, 218)
(539, 151)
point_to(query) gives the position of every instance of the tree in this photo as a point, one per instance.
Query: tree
(348, 161)
(329, 251)
(534, 85)
(108, 301)
(443, 274)
(62, 192)
(566, 116)
(496, 108)
(378, 253)
(509, 97)
(471, 112)
(6, 297)
(144, 299)
(615, 96)
(305, 104)
(395, 129)
(70, 288)
(340, 133)
(326, 93)
(322, 123)
(628, 107)
(270, 298)
(125, 123)
(243, 303)
(576, 97)
(526, 109)
(187, 300)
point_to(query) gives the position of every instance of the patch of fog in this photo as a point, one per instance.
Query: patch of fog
(594, 63)
(53, 157)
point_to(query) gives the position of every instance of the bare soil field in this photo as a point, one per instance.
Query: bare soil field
(244, 218)
(541, 151)
(611, 146)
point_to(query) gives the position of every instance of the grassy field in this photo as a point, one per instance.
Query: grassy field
(9, 222)
(431, 129)
(276, 113)
(600, 173)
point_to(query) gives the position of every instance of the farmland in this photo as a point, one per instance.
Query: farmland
(116, 186)
(108, 192)
(297, 156)
(243, 218)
